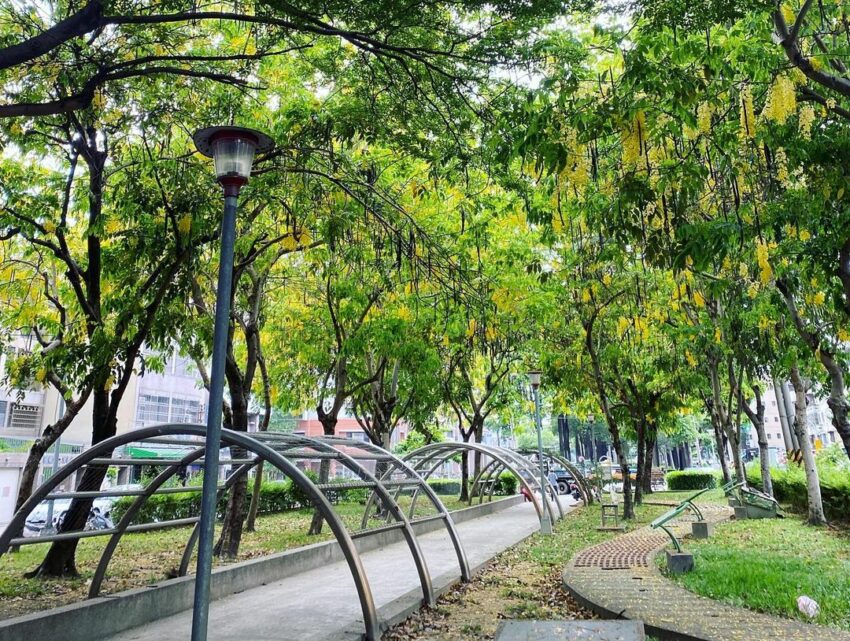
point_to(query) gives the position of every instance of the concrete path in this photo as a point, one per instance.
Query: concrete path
(619, 579)
(323, 604)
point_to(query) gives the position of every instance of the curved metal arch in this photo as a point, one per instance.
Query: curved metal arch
(324, 445)
(581, 480)
(129, 515)
(229, 437)
(420, 459)
(230, 481)
(395, 464)
(534, 471)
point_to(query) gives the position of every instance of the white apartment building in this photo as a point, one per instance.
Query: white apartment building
(821, 431)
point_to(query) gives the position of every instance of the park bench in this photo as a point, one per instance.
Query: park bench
(750, 503)
(686, 505)
(758, 505)
(730, 491)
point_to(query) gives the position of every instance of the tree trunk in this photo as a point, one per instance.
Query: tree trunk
(757, 419)
(651, 444)
(628, 505)
(328, 422)
(234, 514)
(464, 476)
(641, 456)
(478, 432)
(251, 522)
(60, 558)
(816, 514)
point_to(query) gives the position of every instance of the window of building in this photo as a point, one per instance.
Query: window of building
(775, 419)
(25, 417)
(185, 410)
(3, 409)
(152, 409)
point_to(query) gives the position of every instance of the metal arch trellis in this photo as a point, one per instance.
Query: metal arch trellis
(581, 480)
(281, 451)
(428, 459)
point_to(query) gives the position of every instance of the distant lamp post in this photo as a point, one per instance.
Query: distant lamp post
(233, 150)
(545, 518)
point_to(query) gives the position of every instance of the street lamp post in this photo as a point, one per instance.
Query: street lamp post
(545, 518)
(232, 149)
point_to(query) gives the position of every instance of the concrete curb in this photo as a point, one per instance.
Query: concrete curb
(110, 615)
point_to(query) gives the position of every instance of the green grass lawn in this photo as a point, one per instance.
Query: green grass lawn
(766, 564)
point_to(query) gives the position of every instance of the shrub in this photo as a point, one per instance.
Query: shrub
(789, 488)
(690, 480)
(275, 496)
(506, 484)
(445, 486)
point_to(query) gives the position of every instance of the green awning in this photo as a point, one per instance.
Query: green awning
(150, 451)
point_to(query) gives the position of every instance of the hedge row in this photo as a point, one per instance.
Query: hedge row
(275, 496)
(789, 488)
(690, 480)
(506, 485)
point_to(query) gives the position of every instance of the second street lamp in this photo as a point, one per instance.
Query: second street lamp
(233, 150)
(545, 517)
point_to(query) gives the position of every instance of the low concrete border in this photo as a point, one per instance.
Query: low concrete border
(109, 615)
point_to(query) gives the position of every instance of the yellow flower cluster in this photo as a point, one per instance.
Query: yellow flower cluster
(780, 161)
(641, 328)
(704, 113)
(748, 113)
(690, 358)
(765, 270)
(753, 290)
(806, 119)
(781, 100)
(787, 14)
(699, 299)
(184, 224)
(577, 170)
(843, 335)
(765, 323)
(634, 140)
(623, 325)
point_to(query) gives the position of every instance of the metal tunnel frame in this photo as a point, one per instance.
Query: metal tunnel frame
(281, 451)
(583, 486)
(428, 459)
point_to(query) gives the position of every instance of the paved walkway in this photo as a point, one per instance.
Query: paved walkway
(619, 578)
(323, 604)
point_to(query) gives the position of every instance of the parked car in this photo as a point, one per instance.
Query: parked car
(99, 517)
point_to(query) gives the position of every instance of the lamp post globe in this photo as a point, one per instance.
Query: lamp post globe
(233, 150)
(545, 518)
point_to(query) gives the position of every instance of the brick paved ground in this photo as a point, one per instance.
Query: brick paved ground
(619, 578)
